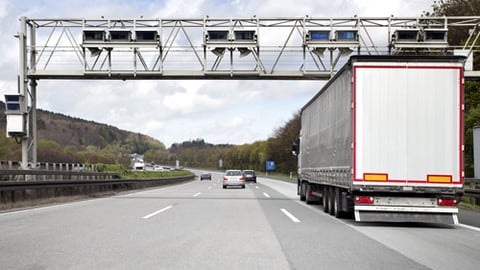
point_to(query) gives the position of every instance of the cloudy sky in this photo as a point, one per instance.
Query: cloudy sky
(235, 112)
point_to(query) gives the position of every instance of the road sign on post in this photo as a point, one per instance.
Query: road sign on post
(269, 166)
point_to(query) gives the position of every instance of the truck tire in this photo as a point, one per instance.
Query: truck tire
(325, 199)
(337, 211)
(308, 198)
(331, 200)
(303, 196)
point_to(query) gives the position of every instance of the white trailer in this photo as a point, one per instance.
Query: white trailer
(383, 140)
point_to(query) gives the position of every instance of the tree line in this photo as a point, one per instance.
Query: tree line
(199, 154)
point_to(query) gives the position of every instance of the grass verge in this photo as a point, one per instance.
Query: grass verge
(468, 206)
(154, 174)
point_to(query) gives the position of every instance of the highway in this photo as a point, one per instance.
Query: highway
(200, 225)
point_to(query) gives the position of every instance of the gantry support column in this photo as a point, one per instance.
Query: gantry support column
(29, 142)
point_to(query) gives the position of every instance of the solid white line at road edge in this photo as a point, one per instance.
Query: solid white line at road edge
(289, 215)
(157, 212)
(469, 227)
(266, 195)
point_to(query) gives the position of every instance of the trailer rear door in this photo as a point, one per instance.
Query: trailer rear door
(408, 123)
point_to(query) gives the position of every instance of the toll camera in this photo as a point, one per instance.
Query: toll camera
(16, 116)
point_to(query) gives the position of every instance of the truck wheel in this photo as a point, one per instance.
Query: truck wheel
(331, 201)
(336, 203)
(303, 196)
(325, 199)
(308, 198)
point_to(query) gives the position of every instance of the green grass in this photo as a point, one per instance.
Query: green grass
(465, 205)
(279, 176)
(153, 174)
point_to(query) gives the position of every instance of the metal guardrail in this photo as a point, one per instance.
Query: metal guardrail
(21, 193)
(49, 166)
(44, 175)
(16, 185)
(475, 191)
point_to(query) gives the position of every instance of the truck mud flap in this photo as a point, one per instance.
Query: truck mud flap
(379, 216)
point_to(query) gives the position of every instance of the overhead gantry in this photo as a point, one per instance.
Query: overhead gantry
(306, 48)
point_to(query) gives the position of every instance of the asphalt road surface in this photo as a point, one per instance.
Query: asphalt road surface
(200, 225)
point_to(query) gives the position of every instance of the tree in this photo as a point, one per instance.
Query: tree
(457, 35)
(280, 146)
(455, 8)
(472, 89)
(9, 149)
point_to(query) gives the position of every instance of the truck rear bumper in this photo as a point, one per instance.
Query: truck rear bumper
(448, 215)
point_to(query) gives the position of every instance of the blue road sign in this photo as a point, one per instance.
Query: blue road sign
(270, 165)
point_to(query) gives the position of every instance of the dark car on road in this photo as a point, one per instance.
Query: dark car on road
(205, 175)
(249, 175)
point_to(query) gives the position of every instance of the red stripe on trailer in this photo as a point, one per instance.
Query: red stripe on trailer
(460, 150)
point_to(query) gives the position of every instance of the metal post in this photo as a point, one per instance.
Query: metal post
(331, 61)
(476, 151)
(32, 119)
(231, 61)
(29, 146)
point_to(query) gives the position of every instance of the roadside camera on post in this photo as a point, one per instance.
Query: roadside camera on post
(16, 117)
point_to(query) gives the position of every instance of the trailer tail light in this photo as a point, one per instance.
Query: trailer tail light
(446, 202)
(364, 199)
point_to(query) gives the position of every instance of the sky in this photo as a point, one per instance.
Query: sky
(218, 111)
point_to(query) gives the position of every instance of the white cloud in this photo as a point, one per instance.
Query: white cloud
(172, 8)
(154, 126)
(236, 122)
(190, 101)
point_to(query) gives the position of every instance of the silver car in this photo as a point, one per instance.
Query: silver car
(233, 178)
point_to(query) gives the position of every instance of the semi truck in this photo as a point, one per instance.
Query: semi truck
(383, 140)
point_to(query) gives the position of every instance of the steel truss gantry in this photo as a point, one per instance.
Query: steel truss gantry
(219, 48)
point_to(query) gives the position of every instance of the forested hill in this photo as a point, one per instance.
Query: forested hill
(76, 135)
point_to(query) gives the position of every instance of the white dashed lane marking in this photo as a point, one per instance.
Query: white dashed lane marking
(157, 212)
(290, 216)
